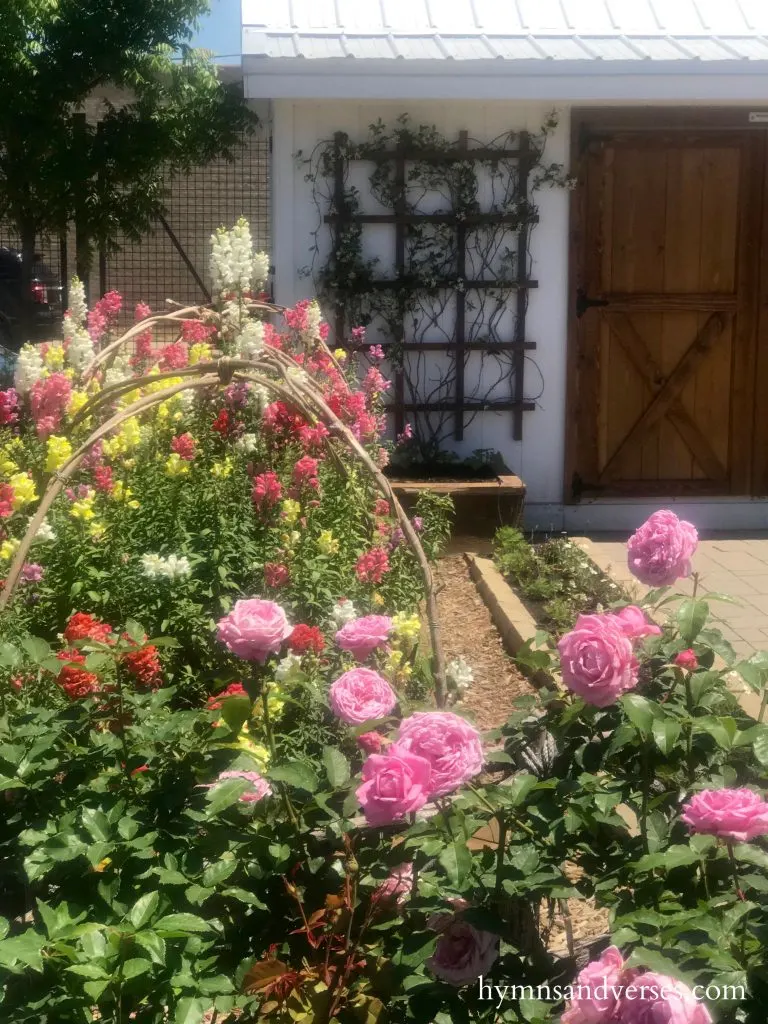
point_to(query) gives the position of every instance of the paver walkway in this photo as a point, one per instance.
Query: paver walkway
(736, 565)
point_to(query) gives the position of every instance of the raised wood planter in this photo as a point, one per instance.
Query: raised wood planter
(482, 506)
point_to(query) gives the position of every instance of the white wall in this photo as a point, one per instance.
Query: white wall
(300, 125)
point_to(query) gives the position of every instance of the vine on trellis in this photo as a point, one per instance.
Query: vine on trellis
(450, 310)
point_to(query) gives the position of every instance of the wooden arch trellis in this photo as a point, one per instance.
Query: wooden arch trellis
(294, 387)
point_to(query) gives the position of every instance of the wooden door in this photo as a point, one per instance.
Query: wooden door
(663, 339)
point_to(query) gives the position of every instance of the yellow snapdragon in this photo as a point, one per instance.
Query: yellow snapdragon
(221, 470)
(58, 451)
(54, 357)
(176, 466)
(257, 751)
(76, 402)
(123, 494)
(129, 436)
(327, 544)
(200, 352)
(406, 628)
(83, 507)
(339, 355)
(7, 465)
(96, 529)
(8, 549)
(24, 492)
(291, 510)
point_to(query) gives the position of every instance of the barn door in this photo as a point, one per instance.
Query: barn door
(665, 314)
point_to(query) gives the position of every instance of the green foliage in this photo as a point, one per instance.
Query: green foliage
(554, 574)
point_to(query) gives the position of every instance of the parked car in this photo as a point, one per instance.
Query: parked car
(46, 301)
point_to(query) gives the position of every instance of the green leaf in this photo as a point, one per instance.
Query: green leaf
(135, 631)
(722, 730)
(751, 855)
(133, 968)
(760, 747)
(295, 773)
(244, 896)
(9, 656)
(672, 857)
(691, 618)
(143, 909)
(96, 823)
(336, 767)
(640, 711)
(456, 861)
(520, 788)
(153, 944)
(95, 989)
(218, 872)
(235, 711)
(226, 793)
(185, 923)
(189, 1011)
(666, 732)
(37, 649)
(92, 971)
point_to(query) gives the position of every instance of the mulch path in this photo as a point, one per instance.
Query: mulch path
(468, 632)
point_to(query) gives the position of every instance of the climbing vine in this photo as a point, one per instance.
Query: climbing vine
(448, 302)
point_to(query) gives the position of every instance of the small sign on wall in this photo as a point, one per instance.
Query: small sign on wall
(758, 117)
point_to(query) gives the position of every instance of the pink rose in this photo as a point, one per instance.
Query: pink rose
(254, 629)
(658, 999)
(394, 784)
(259, 787)
(687, 660)
(450, 744)
(633, 623)
(362, 636)
(360, 695)
(597, 660)
(397, 887)
(463, 952)
(738, 814)
(597, 989)
(370, 742)
(660, 551)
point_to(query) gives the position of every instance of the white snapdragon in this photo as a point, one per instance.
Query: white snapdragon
(173, 567)
(288, 668)
(79, 349)
(45, 532)
(342, 612)
(260, 269)
(232, 258)
(250, 342)
(78, 308)
(295, 373)
(459, 675)
(119, 371)
(247, 443)
(29, 369)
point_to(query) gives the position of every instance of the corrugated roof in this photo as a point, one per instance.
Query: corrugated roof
(465, 30)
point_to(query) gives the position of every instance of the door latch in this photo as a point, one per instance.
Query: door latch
(584, 302)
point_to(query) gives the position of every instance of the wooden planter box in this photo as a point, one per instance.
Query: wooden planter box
(482, 506)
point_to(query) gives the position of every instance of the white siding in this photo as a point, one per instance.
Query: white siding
(299, 126)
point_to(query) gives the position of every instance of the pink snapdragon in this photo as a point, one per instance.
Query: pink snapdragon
(49, 399)
(174, 356)
(372, 566)
(185, 446)
(267, 491)
(276, 574)
(104, 315)
(305, 473)
(9, 407)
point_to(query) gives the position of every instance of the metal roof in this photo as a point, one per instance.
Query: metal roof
(507, 30)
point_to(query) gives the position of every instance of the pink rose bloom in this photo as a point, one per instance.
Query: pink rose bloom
(597, 660)
(259, 787)
(659, 999)
(397, 887)
(254, 629)
(660, 551)
(450, 744)
(633, 623)
(362, 636)
(687, 660)
(360, 695)
(370, 742)
(596, 1001)
(463, 952)
(394, 784)
(738, 814)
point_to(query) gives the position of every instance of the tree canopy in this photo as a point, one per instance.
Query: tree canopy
(55, 166)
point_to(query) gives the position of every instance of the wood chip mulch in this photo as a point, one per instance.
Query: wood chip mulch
(468, 632)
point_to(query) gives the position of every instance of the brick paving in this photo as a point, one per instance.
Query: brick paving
(736, 565)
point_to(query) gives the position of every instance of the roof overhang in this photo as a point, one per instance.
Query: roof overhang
(561, 81)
